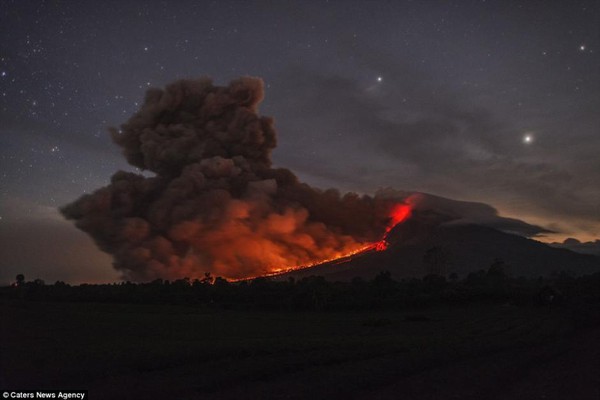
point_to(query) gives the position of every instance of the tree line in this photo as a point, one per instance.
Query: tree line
(493, 285)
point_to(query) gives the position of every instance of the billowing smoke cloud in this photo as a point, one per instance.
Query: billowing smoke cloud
(215, 203)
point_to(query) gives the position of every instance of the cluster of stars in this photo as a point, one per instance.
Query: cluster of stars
(69, 78)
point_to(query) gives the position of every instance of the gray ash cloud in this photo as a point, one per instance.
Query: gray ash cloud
(215, 204)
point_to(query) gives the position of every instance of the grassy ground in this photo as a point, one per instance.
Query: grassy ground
(180, 352)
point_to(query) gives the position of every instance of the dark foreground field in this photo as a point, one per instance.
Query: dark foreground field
(183, 352)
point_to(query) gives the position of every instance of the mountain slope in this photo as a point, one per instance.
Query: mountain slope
(430, 243)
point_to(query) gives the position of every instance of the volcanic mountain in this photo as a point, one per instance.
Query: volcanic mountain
(430, 241)
(213, 202)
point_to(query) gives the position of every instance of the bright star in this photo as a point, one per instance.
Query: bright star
(582, 47)
(528, 138)
(379, 79)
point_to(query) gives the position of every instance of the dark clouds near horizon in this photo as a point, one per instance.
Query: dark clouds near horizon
(462, 83)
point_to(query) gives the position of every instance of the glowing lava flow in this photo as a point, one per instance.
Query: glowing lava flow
(398, 214)
(341, 258)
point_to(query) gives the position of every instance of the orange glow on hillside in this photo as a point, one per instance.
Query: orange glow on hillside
(398, 214)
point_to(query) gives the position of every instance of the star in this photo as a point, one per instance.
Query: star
(379, 79)
(528, 138)
(582, 47)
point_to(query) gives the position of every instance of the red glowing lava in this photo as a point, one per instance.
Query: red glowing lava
(398, 214)
(381, 245)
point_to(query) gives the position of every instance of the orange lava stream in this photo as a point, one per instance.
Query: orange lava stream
(340, 258)
(398, 214)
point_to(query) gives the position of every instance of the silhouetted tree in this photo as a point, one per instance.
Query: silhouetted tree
(20, 279)
(436, 261)
(475, 278)
(208, 278)
(383, 280)
(498, 270)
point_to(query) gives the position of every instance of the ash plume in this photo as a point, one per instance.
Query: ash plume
(216, 204)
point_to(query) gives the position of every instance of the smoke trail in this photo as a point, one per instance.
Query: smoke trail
(215, 204)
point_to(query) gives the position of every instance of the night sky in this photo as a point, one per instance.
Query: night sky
(488, 101)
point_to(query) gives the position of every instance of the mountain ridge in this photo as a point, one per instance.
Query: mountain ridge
(431, 242)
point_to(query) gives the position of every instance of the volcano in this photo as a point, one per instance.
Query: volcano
(212, 202)
(434, 242)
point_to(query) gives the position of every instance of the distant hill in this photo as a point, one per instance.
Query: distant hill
(579, 247)
(431, 242)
